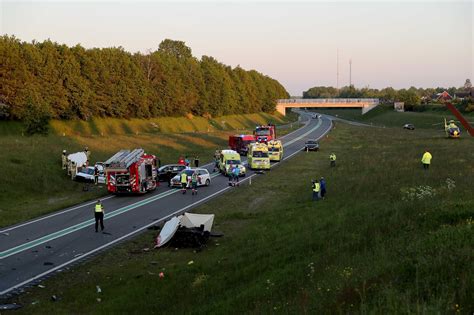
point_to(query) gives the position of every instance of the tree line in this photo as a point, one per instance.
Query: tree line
(61, 82)
(411, 97)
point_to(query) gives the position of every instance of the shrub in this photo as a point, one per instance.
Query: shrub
(36, 118)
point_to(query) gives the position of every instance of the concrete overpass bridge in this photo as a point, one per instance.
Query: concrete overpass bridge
(365, 104)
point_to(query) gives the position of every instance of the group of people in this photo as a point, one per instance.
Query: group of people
(187, 162)
(71, 166)
(319, 189)
(234, 173)
(186, 181)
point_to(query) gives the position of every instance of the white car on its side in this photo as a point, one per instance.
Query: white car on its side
(203, 175)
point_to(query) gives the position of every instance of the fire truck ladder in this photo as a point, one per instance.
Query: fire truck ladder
(124, 158)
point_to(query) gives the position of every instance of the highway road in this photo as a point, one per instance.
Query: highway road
(38, 248)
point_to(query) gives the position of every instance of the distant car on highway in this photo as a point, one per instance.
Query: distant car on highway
(316, 116)
(167, 172)
(86, 174)
(311, 145)
(204, 177)
(409, 126)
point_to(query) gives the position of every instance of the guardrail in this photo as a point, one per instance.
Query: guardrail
(328, 100)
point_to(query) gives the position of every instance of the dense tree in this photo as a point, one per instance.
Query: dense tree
(63, 82)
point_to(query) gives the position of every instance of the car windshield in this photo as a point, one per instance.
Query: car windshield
(311, 142)
(262, 132)
(89, 171)
(232, 162)
(273, 149)
(260, 154)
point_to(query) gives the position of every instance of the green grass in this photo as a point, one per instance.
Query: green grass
(385, 116)
(362, 250)
(33, 182)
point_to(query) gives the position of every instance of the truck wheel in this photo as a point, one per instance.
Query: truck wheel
(208, 182)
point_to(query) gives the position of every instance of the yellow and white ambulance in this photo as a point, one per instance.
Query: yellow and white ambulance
(257, 157)
(275, 150)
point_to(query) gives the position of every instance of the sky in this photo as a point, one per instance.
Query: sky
(398, 44)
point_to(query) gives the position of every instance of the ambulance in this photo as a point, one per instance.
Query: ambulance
(228, 159)
(257, 157)
(275, 150)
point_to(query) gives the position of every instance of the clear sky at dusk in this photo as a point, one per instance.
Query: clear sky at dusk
(399, 44)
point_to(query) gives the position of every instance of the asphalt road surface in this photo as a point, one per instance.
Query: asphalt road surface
(38, 248)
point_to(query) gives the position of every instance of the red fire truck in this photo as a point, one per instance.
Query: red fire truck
(240, 143)
(131, 172)
(265, 133)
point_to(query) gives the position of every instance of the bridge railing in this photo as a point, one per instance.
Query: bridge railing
(328, 100)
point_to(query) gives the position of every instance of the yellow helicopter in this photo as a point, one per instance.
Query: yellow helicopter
(452, 131)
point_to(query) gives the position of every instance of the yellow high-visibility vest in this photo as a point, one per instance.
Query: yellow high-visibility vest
(316, 187)
(332, 157)
(184, 178)
(98, 208)
(426, 159)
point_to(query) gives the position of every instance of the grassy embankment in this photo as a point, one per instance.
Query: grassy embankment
(385, 116)
(389, 238)
(33, 182)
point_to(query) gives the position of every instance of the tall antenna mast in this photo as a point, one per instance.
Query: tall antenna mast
(337, 70)
(350, 72)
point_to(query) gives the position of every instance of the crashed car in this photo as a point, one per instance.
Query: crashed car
(86, 174)
(311, 145)
(167, 172)
(203, 175)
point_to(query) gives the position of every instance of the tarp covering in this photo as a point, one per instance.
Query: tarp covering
(167, 231)
(79, 158)
(191, 220)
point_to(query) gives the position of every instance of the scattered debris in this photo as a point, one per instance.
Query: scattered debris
(34, 302)
(54, 298)
(146, 249)
(6, 233)
(99, 290)
(151, 273)
(99, 300)
(77, 255)
(41, 286)
(161, 275)
(190, 262)
(47, 246)
(7, 307)
(48, 263)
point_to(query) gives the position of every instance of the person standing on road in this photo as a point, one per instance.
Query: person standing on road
(87, 152)
(332, 159)
(184, 182)
(236, 173)
(196, 161)
(64, 159)
(99, 216)
(316, 190)
(322, 184)
(187, 161)
(194, 182)
(96, 175)
(426, 160)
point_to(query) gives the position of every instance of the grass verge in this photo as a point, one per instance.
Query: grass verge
(389, 238)
(34, 184)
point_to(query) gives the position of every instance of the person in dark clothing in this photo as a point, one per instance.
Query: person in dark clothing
(96, 175)
(322, 184)
(99, 216)
(196, 161)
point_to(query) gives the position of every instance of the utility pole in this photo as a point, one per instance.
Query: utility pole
(337, 69)
(350, 72)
